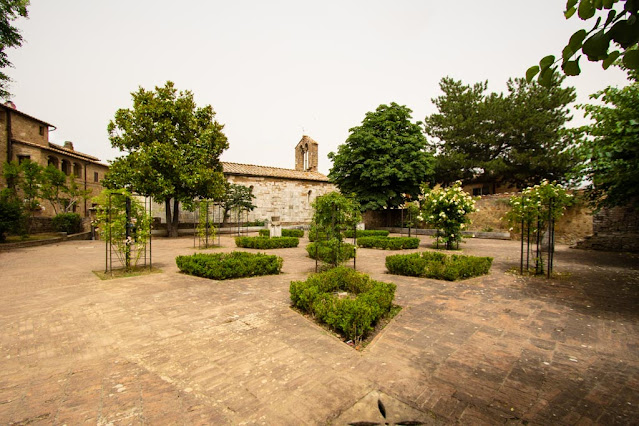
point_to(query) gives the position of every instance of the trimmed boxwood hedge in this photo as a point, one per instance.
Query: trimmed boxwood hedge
(354, 312)
(366, 233)
(71, 223)
(438, 265)
(224, 266)
(388, 243)
(264, 243)
(297, 233)
(326, 251)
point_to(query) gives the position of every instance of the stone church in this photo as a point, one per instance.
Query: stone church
(287, 193)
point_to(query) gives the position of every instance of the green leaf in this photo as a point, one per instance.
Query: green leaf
(611, 16)
(571, 67)
(625, 33)
(571, 3)
(631, 59)
(608, 3)
(596, 47)
(531, 73)
(567, 53)
(586, 9)
(612, 57)
(598, 4)
(577, 39)
(545, 77)
(546, 62)
(569, 12)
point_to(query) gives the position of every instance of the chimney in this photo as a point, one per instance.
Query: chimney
(68, 145)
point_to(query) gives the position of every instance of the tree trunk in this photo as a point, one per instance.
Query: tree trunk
(171, 220)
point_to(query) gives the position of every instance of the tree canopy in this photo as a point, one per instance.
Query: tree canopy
(615, 22)
(516, 138)
(10, 10)
(610, 149)
(383, 160)
(173, 149)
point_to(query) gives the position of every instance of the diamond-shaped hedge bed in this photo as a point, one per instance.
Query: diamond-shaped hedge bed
(349, 302)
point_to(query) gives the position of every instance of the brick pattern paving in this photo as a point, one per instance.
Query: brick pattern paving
(173, 349)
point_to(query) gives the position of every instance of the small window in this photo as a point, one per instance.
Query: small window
(41, 130)
(23, 158)
(96, 178)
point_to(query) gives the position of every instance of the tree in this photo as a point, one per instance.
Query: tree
(383, 160)
(517, 138)
(173, 149)
(238, 197)
(611, 149)
(54, 187)
(10, 10)
(620, 27)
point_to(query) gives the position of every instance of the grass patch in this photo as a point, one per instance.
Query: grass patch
(123, 273)
(32, 237)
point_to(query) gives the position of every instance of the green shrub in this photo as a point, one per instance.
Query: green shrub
(438, 265)
(366, 233)
(71, 223)
(388, 243)
(315, 235)
(224, 266)
(264, 243)
(11, 218)
(327, 251)
(353, 313)
(297, 233)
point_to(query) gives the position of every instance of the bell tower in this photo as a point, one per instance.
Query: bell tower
(306, 155)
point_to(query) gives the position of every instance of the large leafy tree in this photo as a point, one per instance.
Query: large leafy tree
(173, 149)
(10, 10)
(516, 138)
(383, 160)
(611, 147)
(615, 34)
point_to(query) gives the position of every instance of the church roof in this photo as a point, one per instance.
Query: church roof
(276, 172)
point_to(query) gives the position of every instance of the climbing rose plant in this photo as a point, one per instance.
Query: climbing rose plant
(447, 209)
(534, 204)
(111, 222)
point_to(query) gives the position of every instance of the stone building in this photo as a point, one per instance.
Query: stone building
(23, 137)
(287, 193)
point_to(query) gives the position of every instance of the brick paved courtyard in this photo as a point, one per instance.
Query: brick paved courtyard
(174, 349)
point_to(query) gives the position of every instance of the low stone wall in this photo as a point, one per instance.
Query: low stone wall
(575, 225)
(615, 229)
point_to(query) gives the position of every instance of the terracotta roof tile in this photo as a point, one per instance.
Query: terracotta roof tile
(264, 171)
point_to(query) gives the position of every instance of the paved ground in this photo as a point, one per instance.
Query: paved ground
(173, 349)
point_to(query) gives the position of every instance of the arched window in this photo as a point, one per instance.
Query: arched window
(66, 167)
(52, 161)
(77, 170)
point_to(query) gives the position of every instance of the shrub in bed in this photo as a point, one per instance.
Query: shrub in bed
(438, 265)
(366, 233)
(71, 223)
(388, 243)
(346, 300)
(297, 233)
(264, 243)
(223, 266)
(327, 251)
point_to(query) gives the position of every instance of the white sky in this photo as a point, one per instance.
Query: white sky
(273, 70)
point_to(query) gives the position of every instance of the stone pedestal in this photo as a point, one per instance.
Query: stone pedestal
(275, 227)
(361, 226)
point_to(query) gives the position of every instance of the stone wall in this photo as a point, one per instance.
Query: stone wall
(615, 229)
(290, 199)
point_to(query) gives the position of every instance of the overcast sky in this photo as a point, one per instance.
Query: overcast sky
(275, 70)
